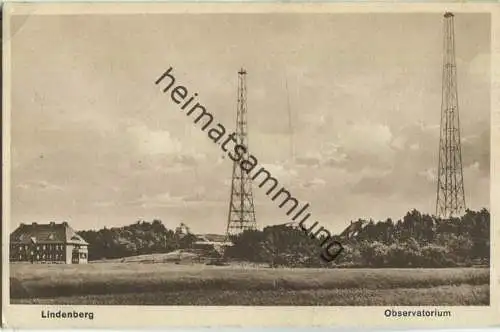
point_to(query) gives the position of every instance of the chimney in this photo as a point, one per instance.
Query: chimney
(64, 223)
(34, 223)
(52, 223)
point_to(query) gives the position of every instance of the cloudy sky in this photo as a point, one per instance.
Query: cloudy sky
(94, 142)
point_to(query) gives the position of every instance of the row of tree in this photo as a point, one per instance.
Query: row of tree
(418, 240)
(137, 239)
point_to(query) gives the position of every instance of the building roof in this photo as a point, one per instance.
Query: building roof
(291, 224)
(215, 243)
(46, 233)
(211, 237)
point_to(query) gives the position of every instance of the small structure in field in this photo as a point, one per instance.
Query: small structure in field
(209, 242)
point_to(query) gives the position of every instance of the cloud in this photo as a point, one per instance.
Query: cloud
(280, 172)
(314, 120)
(188, 159)
(430, 174)
(200, 194)
(41, 185)
(152, 142)
(366, 138)
(164, 199)
(476, 150)
(105, 204)
(480, 66)
(314, 183)
(398, 143)
(330, 154)
(308, 161)
(358, 145)
(160, 150)
(370, 185)
(473, 170)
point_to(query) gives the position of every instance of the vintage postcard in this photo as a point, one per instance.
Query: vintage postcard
(170, 165)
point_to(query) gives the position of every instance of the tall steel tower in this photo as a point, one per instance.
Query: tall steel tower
(450, 186)
(241, 208)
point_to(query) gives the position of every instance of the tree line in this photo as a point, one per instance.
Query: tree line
(140, 238)
(417, 240)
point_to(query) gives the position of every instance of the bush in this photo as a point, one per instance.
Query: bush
(436, 256)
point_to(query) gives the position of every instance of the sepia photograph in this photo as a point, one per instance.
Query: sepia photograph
(248, 159)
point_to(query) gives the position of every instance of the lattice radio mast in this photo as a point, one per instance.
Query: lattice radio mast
(241, 215)
(450, 185)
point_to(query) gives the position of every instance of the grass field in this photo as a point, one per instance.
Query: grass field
(170, 284)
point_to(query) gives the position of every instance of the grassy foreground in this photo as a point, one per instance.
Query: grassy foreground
(135, 283)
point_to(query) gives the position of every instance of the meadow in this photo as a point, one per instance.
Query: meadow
(170, 284)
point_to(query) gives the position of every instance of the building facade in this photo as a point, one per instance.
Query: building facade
(47, 243)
